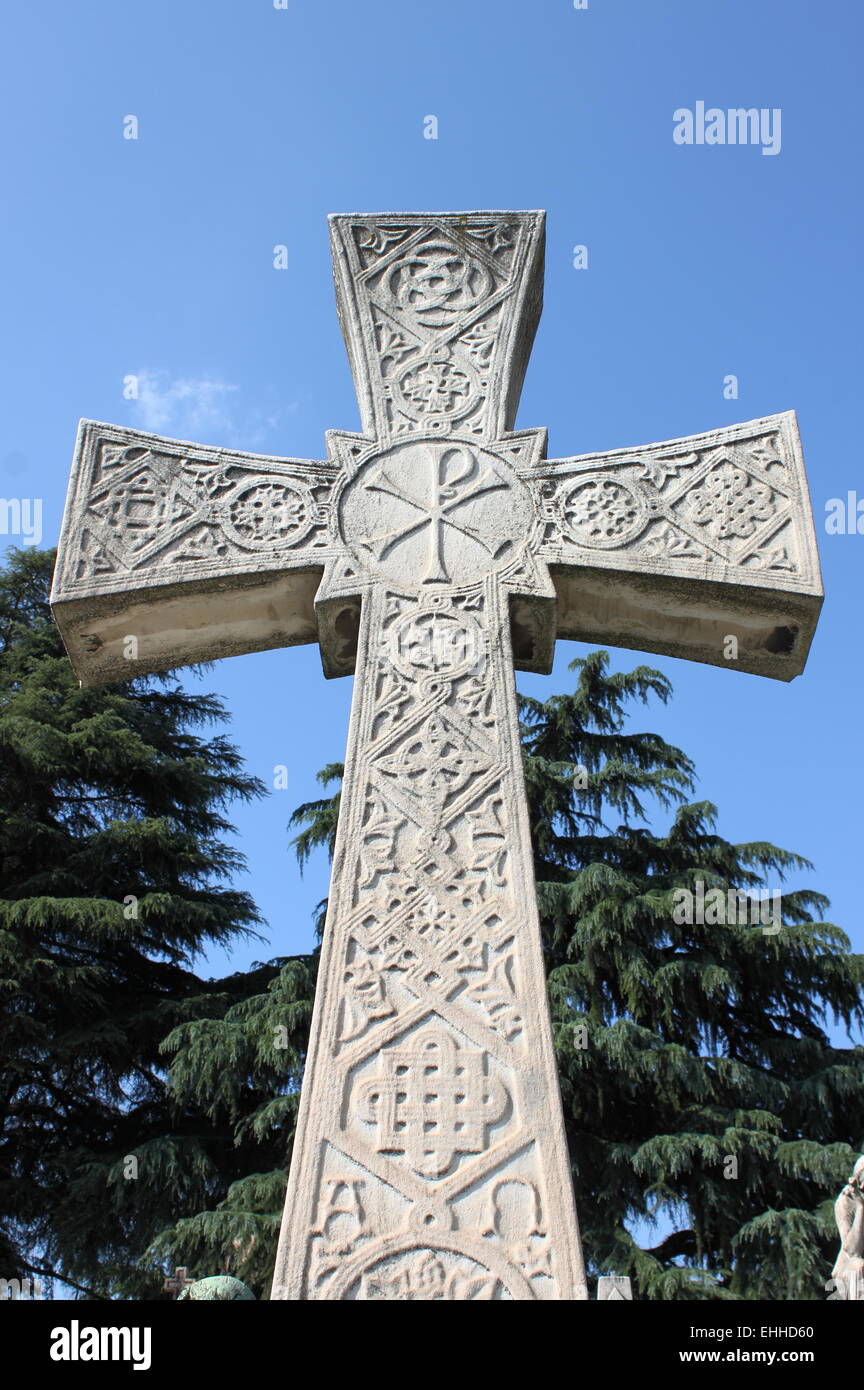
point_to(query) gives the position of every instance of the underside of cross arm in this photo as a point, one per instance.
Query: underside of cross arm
(114, 637)
(762, 632)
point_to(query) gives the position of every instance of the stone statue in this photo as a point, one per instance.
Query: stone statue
(848, 1272)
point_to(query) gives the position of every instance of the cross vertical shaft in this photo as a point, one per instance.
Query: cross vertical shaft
(433, 1095)
(430, 1159)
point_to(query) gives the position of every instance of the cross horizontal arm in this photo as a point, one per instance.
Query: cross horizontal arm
(681, 546)
(173, 553)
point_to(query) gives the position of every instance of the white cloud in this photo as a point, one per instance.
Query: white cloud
(203, 410)
(183, 407)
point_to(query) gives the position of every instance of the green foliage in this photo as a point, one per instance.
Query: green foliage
(700, 1085)
(114, 874)
(242, 1068)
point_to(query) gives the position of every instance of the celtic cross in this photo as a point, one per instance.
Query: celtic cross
(433, 552)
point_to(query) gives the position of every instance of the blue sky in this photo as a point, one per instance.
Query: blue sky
(155, 257)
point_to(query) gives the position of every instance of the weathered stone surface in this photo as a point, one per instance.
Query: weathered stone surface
(430, 1159)
(670, 548)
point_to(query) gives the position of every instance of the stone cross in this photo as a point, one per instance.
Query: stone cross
(177, 1282)
(431, 553)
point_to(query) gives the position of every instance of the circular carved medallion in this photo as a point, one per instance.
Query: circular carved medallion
(438, 643)
(601, 512)
(437, 390)
(434, 512)
(448, 1269)
(437, 283)
(264, 515)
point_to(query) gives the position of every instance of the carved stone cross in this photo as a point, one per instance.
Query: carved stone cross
(177, 1282)
(432, 553)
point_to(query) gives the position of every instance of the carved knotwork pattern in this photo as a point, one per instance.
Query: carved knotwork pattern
(430, 1030)
(436, 283)
(730, 503)
(437, 303)
(431, 1100)
(148, 509)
